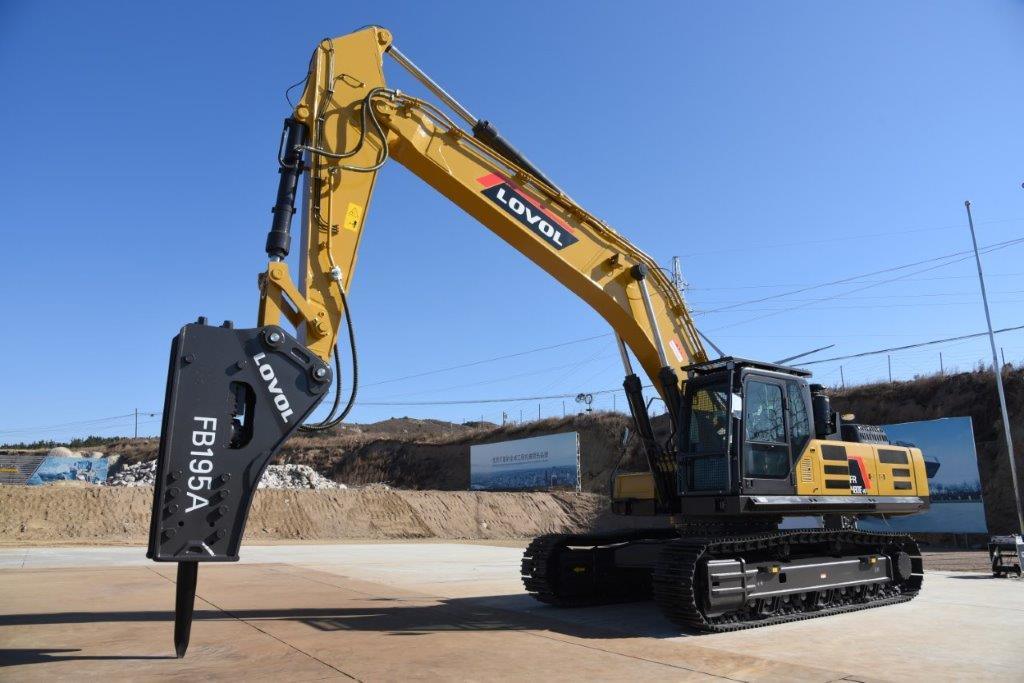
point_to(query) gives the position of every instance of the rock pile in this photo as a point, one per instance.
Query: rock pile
(276, 477)
(139, 474)
(296, 477)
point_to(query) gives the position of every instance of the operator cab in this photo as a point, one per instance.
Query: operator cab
(744, 425)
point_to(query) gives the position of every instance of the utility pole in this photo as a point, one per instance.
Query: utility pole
(998, 372)
(842, 378)
(615, 408)
(677, 275)
(1002, 354)
(942, 368)
(520, 416)
(136, 423)
(889, 358)
(563, 408)
(538, 411)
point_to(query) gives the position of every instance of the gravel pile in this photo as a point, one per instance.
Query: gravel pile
(276, 477)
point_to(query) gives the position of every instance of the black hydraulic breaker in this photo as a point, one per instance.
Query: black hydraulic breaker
(233, 397)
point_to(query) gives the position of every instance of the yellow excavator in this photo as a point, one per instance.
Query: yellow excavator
(750, 442)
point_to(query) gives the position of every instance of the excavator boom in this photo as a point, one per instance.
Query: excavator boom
(235, 395)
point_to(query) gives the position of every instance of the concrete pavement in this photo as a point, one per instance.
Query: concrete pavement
(447, 611)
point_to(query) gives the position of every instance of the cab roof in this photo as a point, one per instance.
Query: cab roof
(733, 363)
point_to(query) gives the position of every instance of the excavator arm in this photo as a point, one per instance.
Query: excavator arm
(353, 123)
(234, 396)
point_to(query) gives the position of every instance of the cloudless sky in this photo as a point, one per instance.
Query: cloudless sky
(770, 145)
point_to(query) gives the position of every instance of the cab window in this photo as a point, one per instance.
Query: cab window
(708, 420)
(799, 418)
(765, 449)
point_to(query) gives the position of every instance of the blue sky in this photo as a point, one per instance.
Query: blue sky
(771, 145)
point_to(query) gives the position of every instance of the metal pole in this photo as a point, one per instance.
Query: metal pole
(652, 320)
(889, 358)
(563, 408)
(998, 372)
(942, 368)
(432, 86)
(538, 411)
(615, 408)
(842, 378)
(136, 423)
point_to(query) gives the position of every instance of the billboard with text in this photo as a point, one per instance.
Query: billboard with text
(536, 463)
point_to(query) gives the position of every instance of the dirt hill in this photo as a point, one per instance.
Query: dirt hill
(970, 394)
(70, 514)
(441, 462)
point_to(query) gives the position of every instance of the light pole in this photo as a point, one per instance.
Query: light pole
(998, 372)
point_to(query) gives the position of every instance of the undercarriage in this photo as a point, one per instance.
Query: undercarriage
(726, 582)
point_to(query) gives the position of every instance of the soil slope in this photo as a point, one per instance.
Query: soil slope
(82, 514)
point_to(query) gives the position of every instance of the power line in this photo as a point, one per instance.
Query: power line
(913, 346)
(798, 284)
(872, 307)
(63, 425)
(489, 360)
(571, 342)
(990, 248)
(847, 238)
(851, 279)
(503, 378)
(884, 296)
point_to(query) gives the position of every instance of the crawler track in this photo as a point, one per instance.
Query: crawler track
(679, 584)
(545, 576)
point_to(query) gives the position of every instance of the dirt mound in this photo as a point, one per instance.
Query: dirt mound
(120, 515)
(438, 463)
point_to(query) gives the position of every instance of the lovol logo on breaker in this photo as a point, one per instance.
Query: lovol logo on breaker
(500, 191)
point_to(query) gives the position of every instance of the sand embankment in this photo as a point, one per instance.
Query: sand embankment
(100, 515)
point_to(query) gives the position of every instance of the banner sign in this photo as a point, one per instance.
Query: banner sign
(61, 468)
(536, 463)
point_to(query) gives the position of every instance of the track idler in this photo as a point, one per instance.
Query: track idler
(233, 397)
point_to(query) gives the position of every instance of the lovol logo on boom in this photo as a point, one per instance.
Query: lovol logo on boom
(513, 201)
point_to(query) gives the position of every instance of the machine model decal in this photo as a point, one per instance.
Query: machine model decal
(201, 464)
(515, 202)
(267, 373)
(859, 480)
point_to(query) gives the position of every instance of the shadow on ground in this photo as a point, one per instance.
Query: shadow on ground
(10, 657)
(406, 617)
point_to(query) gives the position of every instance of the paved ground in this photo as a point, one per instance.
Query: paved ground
(452, 611)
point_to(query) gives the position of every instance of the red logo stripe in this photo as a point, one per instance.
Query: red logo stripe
(492, 179)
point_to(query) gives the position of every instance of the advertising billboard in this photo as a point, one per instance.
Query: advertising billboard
(956, 487)
(536, 463)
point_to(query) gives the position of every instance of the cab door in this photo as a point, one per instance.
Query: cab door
(767, 462)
